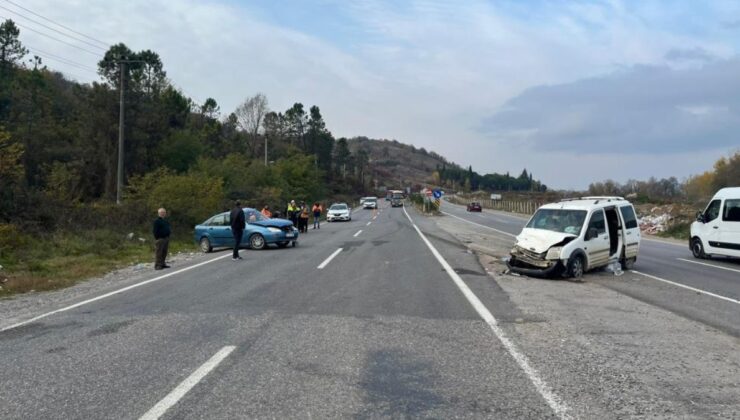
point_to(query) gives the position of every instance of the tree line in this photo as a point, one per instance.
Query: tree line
(455, 177)
(59, 143)
(697, 189)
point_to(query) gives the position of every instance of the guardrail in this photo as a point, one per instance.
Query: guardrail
(512, 206)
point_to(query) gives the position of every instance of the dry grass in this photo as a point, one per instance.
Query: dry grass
(65, 258)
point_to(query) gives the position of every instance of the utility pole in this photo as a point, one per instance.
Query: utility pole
(119, 181)
(265, 149)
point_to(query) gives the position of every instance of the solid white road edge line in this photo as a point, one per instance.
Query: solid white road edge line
(328, 260)
(703, 292)
(478, 224)
(173, 397)
(109, 294)
(709, 265)
(554, 401)
(358, 233)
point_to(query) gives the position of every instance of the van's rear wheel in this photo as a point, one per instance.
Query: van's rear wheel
(628, 263)
(697, 248)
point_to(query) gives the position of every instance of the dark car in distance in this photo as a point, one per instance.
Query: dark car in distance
(475, 206)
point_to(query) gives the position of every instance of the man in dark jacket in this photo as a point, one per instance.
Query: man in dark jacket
(161, 239)
(237, 227)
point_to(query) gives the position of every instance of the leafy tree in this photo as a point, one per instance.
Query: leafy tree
(11, 49)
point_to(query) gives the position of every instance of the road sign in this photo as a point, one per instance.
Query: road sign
(437, 194)
(429, 193)
(495, 196)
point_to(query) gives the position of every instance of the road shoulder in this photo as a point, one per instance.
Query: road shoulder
(600, 349)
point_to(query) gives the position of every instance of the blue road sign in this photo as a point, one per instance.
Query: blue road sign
(437, 193)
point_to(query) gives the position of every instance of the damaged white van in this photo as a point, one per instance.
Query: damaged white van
(576, 235)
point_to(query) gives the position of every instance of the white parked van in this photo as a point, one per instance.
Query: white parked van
(576, 235)
(717, 229)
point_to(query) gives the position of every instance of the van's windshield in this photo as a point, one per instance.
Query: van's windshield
(558, 220)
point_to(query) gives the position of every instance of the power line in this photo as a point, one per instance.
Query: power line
(50, 28)
(57, 39)
(61, 59)
(58, 24)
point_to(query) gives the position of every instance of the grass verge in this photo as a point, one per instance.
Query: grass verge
(61, 259)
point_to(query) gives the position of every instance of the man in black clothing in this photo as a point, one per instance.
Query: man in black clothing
(161, 239)
(237, 227)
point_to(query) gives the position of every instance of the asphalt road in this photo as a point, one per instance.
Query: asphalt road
(665, 274)
(389, 327)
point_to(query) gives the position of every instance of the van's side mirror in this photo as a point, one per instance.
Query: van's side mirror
(700, 217)
(591, 233)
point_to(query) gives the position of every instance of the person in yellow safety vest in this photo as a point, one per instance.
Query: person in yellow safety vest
(293, 212)
(266, 212)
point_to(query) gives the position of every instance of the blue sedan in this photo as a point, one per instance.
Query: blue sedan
(259, 232)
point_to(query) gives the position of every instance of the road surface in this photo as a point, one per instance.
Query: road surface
(386, 316)
(380, 330)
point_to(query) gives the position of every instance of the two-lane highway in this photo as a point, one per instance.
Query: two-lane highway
(665, 274)
(367, 318)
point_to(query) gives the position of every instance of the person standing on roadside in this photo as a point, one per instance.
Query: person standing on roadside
(162, 233)
(237, 227)
(304, 214)
(266, 212)
(293, 212)
(317, 210)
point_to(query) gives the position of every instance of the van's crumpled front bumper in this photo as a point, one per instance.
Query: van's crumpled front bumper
(532, 264)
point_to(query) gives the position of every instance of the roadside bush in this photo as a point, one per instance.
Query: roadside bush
(189, 199)
(11, 239)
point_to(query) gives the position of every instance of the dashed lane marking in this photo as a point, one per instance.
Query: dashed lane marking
(709, 265)
(328, 260)
(173, 397)
(694, 289)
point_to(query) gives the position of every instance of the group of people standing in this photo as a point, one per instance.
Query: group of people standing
(300, 214)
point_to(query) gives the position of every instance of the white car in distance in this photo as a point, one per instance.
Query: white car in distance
(339, 211)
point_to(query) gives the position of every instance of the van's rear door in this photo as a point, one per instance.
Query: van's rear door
(631, 230)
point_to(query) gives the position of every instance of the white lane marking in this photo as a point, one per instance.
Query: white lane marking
(375, 217)
(109, 294)
(368, 224)
(173, 397)
(709, 265)
(328, 260)
(358, 233)
(694, 289)
(478, 224)
(554, 401)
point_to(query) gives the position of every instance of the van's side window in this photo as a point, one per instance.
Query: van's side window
(732, 211)
(597, 221)
(712, 211)
(628, 214)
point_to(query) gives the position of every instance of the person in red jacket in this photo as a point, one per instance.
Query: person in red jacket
(317, 210)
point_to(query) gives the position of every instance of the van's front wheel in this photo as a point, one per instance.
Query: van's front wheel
(576, 267)
(697, 248)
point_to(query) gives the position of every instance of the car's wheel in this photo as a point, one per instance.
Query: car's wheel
(697, 248)
(295, 244)
(282, 244)
(576, 267)
(205, 245)
(628, 263)
(257, 241)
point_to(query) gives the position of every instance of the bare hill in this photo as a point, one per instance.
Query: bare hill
(395, 164)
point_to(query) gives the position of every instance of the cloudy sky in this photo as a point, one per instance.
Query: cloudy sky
(575, 91)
